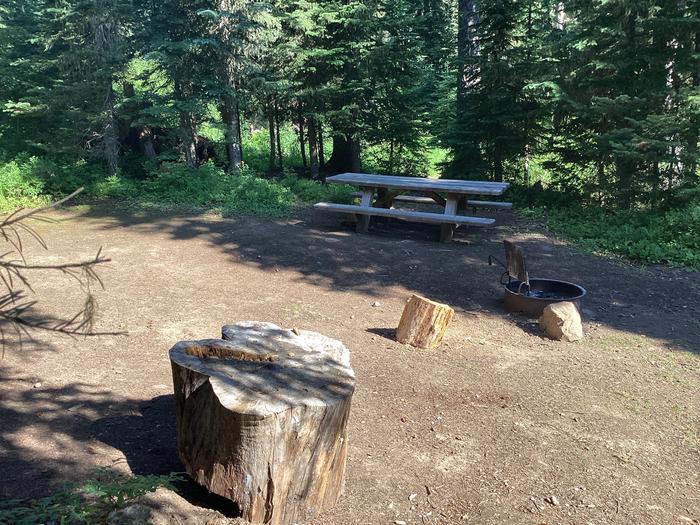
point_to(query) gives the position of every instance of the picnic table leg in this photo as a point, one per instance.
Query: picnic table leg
(447, 230)
(363, 220)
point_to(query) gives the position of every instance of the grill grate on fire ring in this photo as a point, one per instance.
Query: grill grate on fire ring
(531, 296)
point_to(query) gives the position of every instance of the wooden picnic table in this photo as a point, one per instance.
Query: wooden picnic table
(451, 194)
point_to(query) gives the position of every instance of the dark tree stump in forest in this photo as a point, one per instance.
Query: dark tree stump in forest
(262, 416)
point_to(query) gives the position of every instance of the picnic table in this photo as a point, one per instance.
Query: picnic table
(379, 192)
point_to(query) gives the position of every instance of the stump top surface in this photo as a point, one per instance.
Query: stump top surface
(262, 369)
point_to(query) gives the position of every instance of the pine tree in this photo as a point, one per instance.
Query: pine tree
(626, 92)
(66, 56)
(176, 36)
(497, 111)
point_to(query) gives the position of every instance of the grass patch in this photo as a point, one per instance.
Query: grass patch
(651, 237)
(85, 503)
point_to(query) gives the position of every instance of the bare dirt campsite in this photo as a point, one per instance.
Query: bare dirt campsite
(495, 425)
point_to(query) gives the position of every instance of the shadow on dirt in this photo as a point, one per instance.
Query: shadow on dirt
(143, 434)
(386, 333)
(147, 439)
(324, 251)
(32, 414)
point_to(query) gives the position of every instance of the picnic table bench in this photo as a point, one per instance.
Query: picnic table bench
(388, 189)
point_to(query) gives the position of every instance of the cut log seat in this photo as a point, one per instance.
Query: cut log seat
(408, 215)
(262, 419)
(423, 322)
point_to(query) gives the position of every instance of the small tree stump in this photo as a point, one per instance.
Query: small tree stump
(423, 322)
(262, 416)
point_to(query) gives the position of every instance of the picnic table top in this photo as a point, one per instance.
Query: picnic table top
(420, 184)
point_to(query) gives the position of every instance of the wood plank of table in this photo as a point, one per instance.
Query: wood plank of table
(420, 184)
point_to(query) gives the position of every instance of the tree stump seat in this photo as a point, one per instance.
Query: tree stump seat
(262, 416)
(423, 322)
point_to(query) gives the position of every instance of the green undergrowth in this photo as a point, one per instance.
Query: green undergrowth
(32, 182)
(89, 502)
(670, 235)
(652, 237)
(20, 184)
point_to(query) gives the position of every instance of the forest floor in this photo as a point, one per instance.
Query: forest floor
(496, 425)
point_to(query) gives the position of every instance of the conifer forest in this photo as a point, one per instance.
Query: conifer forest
(581, 105)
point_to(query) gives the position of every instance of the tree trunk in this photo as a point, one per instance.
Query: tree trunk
(345, 155)
(189, 141)
(321, 153)
(527, 161)
(313, 148)
(279, 140)
(600, 171)
(147, 143)
(111, 132)
(391, 157)
(272, 165)
(230, 115)
(467, 50)
(302, 142)
(468, 79)
(497, 163)
(560, 16)
(262, 419)
(355, 155)
(625, 170)
(695, 128)
(240, 135)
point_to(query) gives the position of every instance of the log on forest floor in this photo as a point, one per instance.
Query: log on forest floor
(262, 417)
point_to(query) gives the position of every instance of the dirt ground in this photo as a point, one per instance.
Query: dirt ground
(497, 425)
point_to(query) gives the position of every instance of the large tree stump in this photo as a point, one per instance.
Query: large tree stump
(423, 322)
(261, 418)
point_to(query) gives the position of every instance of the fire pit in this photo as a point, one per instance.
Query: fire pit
(531, 296)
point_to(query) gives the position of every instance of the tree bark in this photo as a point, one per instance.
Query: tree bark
(355, 155)
(345, 155)
(625, 170)
(189, 140)
(467, 50)
(466, 153)
(262, 419)
(321, 153)
(279, 140)
(391, 156)
(313, 148)
(272, 165)
(423, 322)
(560, 16)
(230, 115)
(302, 142)
(147, 142)
(111, 132)
(497, 163)
(188, 132)
(695, 128)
